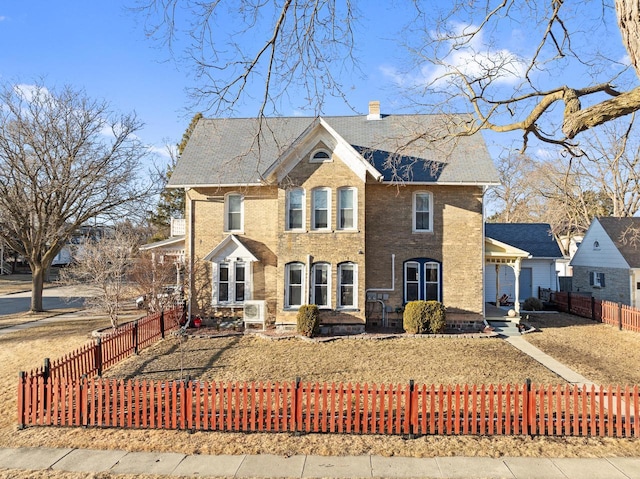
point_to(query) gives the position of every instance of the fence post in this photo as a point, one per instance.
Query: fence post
(620, 316)
(593, 308)
(46, 371)
(135, 337)
(294, 406)
(21, 411)
(569, 302)
(410, 409)
(526, 398)
(98, 356)
(162, 323)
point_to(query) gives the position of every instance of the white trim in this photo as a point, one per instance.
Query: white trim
(287, 269)
(441, 183)
(227, 229)
(232, 268)
(313, 159)
(405, 282)
(414, 228)
(438, 282)
(214, 185)
(340, 306)
(354, 208)
(328, 192)
(328, 284)
(304, 209)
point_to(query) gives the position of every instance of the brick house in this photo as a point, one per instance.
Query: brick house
(357, 214)
(607, 262)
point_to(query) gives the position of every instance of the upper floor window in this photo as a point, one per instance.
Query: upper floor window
(294, 285)
(422, 217)
(320, 156)
(321, 287)
(347, 208)
(234, 212)
(295, 209)
(347, 285)
(321, 211)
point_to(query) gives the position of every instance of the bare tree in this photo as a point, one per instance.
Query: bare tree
(463, 46)
(513, 200)
(103, 264)
(65, 159)
(156, 281)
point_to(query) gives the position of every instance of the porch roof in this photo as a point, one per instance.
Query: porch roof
(498, 252)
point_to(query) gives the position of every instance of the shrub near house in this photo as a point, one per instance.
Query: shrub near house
(422, 317)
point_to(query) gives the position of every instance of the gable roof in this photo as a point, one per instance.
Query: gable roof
(238, 151)
(535, 238)
(625, 234)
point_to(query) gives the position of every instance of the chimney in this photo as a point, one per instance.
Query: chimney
(374, 111)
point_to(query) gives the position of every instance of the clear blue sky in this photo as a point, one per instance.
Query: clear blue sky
(100, 46)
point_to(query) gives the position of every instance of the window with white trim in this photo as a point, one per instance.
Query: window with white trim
(422, 206)
(294, 285)
(234, 212)
(347, 285)
(596, 279)
(320, 156)
(347, 208)
(422, 280)
(321, 285)
(321, 210)
(233, 282)
(295, 209)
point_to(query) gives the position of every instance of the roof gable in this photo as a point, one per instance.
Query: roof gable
(230, 247)
(240, 151)
(625, 235)
(535, 238)
(319, 131)
(598, 249)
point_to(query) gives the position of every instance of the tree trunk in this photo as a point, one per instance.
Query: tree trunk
(37, 283)
(628, 12)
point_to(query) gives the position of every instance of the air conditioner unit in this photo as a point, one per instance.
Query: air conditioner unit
(255, 312)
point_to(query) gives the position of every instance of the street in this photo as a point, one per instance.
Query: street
(53, 298)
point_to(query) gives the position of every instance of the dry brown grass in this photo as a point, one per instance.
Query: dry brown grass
(599, 352)
(397, 360)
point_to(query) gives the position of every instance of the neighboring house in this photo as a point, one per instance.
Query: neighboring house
(356, 214)
(78, 238)
(172, 248)
(523, 256)
(607, 263)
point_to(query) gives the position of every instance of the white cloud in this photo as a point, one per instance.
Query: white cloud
(29, 92)
(2, 18)
(475, 60)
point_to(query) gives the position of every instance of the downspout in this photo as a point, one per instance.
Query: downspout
(192, 242)
(385, 290)
(308, 280)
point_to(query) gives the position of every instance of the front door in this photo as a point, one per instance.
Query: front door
(526, 283)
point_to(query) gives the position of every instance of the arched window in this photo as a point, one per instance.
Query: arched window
(422, 211)
(422, 280)
(321, 285)
(233, 212)
(347, 285)
(294, 285)
(320, 156)
(295, 209)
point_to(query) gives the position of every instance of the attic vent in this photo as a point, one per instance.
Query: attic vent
(374, 111)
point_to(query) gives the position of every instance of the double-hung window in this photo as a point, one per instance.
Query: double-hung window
(422, 212)
(596, 279)
(347, 285)
(232, 283)
(321, 285)
(295, 209)
(347, 208)
(321, 211)
(234, 212)
(294, 285)
(422, 280)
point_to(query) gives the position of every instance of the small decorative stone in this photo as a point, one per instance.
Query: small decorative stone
(511, 313)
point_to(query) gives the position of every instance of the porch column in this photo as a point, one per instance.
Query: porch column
(498, 285)
(516, 270)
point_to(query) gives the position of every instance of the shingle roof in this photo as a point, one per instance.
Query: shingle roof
(625, 234)
(536, 238)
(239, 150)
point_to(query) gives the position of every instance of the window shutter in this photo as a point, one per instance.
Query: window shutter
(591, 278)
(602, 280)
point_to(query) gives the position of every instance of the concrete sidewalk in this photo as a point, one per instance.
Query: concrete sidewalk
(173, 464)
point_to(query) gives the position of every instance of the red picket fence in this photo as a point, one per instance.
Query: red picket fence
(93, 358)
(337, 408)
(616, 314)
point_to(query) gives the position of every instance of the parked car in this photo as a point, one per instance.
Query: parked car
(168, 293)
